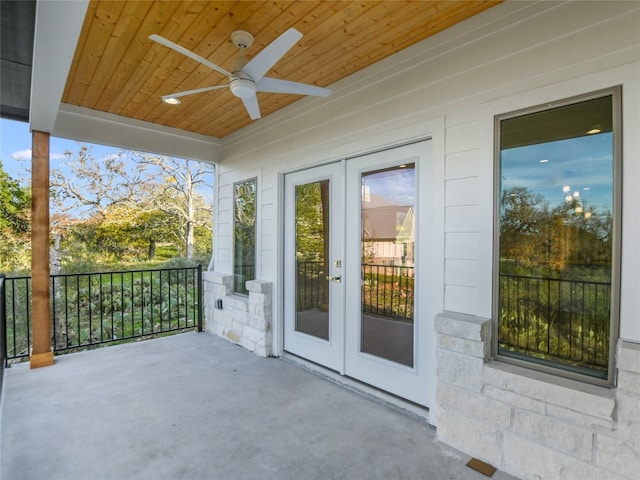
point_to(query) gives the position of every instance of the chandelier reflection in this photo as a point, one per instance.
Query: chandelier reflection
(576, 203)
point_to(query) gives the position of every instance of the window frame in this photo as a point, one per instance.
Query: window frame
(244, 292)
(614, 318)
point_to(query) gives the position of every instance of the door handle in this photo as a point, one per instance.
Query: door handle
(335, 278)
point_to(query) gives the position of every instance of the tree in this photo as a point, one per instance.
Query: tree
(521, 223)
(179, 194)
(130, 201)
(312, 221)
(544, 240)
(15, 223)
(139, 228)
(85, 190)
(92, 186)
(15, 204)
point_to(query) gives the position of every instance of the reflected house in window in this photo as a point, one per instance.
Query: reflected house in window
(388, 232)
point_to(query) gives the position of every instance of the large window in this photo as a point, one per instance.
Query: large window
(244, 234)
(558, 191)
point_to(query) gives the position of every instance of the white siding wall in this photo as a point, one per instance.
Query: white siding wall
(450, 87)
(516, 55)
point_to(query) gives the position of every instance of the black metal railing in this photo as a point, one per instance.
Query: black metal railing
(3, 332)
(565, 321)
(387, 290)
(310, 285)
(90, 309)
(17, 318)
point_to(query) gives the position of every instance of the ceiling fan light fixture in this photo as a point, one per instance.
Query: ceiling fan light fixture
(243, 88)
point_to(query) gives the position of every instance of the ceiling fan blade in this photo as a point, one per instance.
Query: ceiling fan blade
(251, 104)
(261, 63)
(191, 92)
(275, 85)
(190, 54)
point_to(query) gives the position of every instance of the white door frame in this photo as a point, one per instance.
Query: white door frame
(374, 139)
(408, 382)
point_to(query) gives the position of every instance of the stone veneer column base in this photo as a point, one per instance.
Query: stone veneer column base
(530, 424)
(242, 320)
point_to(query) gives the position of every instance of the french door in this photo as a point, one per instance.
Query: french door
(314, 292)
(351, 283)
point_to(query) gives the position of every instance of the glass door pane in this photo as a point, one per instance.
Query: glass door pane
(312, 258)
(313, 228)
(387, 259)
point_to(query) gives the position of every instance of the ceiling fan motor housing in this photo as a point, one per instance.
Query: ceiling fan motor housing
(242, 86)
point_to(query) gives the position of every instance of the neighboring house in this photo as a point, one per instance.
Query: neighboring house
(388, 231)
(523, 340)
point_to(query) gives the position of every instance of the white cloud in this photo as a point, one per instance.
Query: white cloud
(112, 156)
(22, 155)
(26, 155)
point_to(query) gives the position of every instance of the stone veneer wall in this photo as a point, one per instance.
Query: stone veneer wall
(242, 320)
(530, 424)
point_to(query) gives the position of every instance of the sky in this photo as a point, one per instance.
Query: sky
(15, 149)
(15, 152)
(583, 164)
(395, 185)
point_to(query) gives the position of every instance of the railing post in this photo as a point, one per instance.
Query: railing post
(3, 322)
(52, 296)
(199, 298)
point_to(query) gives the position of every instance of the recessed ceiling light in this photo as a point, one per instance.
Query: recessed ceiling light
(171, 100)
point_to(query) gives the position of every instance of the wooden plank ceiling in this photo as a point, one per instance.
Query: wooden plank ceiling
(117, 69)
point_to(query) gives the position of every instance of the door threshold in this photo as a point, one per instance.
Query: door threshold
(400, 404)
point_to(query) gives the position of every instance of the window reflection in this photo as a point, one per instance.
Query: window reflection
(387, 245)
(556, 236)
(312, 257)
(244, 234)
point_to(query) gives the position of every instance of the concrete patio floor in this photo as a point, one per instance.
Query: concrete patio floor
(193, 406)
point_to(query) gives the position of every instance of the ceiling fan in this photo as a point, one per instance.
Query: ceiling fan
(246, 80)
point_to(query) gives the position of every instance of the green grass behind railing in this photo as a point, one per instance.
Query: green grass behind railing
(89, 309)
